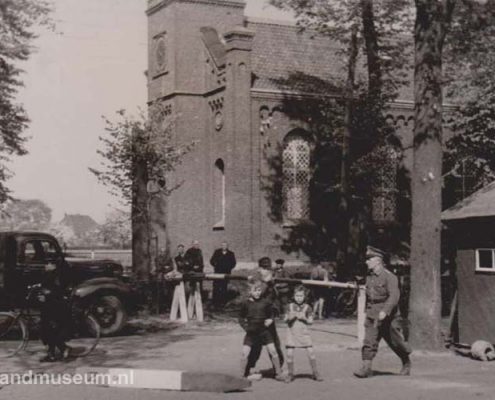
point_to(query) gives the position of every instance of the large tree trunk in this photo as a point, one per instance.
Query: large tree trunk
(141, 261)
(161, 240)
(432, 21)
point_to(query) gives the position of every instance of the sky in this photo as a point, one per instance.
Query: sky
(91, 66)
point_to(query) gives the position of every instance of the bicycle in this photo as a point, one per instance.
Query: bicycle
(346, 301)
(14, 327)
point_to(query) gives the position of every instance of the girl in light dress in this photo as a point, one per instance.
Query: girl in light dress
(298, 318)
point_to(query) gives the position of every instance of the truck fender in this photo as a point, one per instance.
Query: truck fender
(92, 286)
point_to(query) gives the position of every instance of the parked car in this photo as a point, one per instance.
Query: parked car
(96, 284)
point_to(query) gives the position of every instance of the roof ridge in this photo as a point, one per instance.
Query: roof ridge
(269, 21)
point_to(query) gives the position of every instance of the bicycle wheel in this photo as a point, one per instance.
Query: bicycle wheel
(345, 304)
(85, 337)
(13, 334)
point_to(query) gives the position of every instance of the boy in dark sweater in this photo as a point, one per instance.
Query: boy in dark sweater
(55, 314)
(255, 317)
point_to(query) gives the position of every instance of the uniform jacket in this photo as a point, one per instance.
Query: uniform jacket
(194, 258)
(162, 263)
(382, 293)
(223, 263)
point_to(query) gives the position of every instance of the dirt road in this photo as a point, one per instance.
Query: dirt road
(215, 347)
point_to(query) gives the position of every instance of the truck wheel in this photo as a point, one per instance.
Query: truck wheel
(110, 314)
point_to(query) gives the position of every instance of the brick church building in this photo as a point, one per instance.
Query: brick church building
(224, 79)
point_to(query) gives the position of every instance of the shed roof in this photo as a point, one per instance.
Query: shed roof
(479, 204)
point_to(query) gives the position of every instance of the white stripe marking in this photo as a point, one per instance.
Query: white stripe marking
(145, 378)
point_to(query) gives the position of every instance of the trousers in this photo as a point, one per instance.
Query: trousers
(387, 329)
(219, 296)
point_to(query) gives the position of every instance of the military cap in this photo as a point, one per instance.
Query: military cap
(374, 252)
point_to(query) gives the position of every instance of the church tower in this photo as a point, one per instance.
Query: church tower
(176, 50)
(199, 67)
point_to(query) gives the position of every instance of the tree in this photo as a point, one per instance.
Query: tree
(18, 18)
(471, 49)
(116, 231)
(138, 155)
(374, 28)
(470, 58)
(26, 215)
(434, 19)
(432, 22)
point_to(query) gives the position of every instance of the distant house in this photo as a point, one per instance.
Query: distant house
(78, 229)
(472, 222)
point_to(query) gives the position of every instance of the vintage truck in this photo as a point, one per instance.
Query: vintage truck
(96, 284)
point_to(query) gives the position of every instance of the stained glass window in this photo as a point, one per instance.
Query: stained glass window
(296, 170)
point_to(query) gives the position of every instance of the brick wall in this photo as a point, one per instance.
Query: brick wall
(197, 98)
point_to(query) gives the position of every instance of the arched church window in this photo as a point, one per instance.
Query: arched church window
(219, 194)
(384, 203)
(296, 176)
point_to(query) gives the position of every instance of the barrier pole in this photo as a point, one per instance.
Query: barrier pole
(195, 305)
(361, 313)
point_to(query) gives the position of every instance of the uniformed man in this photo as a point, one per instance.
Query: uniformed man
(223, 261)
(382, 298)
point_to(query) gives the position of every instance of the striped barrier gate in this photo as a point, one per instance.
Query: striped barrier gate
(194, 306)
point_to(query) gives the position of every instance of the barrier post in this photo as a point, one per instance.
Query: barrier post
(198, 303)
(179, 303)
(194, 303)
(361, 313)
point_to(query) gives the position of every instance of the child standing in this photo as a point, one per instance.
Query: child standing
(299, 316)
(256, 317)
(55, 314)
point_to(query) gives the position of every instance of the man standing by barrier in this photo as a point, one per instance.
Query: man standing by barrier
(223, 261)
(194, 258)
(181, 262)
(382, 298)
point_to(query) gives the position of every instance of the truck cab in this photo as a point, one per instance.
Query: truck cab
(95, 284)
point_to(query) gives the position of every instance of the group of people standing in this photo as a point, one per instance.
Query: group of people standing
(270, 297)
(191, 261)
(258, 312)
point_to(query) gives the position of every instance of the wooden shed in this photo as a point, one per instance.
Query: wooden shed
(472, 224)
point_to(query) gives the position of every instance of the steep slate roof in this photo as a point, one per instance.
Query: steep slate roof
(479, 204)
(282, 51)
(80, 224)
(214, 45)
